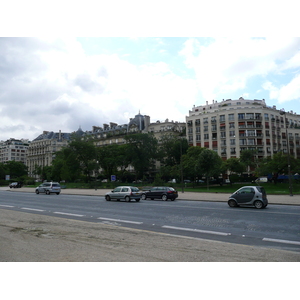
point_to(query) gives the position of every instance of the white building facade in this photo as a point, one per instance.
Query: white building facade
(231, 126)
(13, 150)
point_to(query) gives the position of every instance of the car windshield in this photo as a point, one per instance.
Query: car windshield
(134, 189)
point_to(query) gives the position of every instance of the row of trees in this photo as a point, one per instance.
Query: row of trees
(81, 159)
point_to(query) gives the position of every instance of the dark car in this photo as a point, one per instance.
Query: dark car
(160, 192)
(15, 185)
(249, 196)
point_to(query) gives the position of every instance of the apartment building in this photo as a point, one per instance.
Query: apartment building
(113, 133)
(41, 151)
(231, 126)
(13, 149)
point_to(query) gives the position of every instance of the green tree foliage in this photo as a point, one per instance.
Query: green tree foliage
(234, 165)
(247, 157)
(15, 169)
(189, 162)
(142, 152)
(171, 148)
(113, 159)
(208, 163)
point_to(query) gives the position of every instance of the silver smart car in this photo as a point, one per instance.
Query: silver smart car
(249, 196)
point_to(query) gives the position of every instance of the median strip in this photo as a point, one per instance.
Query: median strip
(68, 214)
(281, 241)
(118, 220)
(197, 230)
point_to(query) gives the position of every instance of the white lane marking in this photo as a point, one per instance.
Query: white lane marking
(68, 214)
(6, 205)
(281, 241)
(34, 209)
(118, 220)
(197, 230)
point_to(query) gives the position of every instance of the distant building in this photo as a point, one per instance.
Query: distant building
(41, 151)
(13, 149)
(231, 126)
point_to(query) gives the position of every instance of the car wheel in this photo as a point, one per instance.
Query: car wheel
(144, 197)
(232, 203)
(48, 192)
(164, 197)
(107, 198)
(37, 192)
(127, 198)
(258, 204)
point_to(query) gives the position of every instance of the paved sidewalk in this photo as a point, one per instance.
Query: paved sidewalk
(197, 196)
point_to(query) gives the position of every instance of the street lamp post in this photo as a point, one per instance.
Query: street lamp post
(288, 156)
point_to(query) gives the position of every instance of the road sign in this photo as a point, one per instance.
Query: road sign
(113, 178)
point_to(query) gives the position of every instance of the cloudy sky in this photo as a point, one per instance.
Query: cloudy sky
(139, 63)
(63, 83)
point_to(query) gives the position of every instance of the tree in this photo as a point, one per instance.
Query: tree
(15, 169)
(247, 157)
(113, 159)
(142, 152)
(234, 165)
(209, 164)
(189, 162)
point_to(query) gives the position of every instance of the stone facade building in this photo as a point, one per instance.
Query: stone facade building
(231, 126)
(42, 149)
(13, 149)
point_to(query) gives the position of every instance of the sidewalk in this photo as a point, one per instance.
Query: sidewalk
(196, 196)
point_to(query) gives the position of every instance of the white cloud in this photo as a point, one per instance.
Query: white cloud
(226, 65)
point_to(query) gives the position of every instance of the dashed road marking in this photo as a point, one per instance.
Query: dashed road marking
(118, 220)
(6, 205)
(281, 241)
(34, 209)
(198, 230)
(68, 214)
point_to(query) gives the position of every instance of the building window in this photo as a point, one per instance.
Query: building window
(223, 134)
(223, 142)
(232, 142)
(222, 118)
(241, 116)
(214, 127)
(232, 133)
(231, 125)
(231, 117)
(205, 128)
(266, 117)
(197, 129)
(206, 136)
(198, 137)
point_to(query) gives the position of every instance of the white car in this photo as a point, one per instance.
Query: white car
(48, 188)
(124, 193)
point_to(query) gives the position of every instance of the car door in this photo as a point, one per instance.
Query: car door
(116, 193)
(124, 192)
(151, 193)
(244, 195)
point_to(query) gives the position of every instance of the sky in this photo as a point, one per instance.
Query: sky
(63, 83)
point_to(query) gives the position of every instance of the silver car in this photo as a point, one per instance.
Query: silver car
(249, 196)
(124, 193)
(48, 188)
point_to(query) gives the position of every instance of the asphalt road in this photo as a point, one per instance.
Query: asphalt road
(277, 226)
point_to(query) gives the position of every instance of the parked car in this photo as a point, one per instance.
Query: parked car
(249, 196)
(160, 192)
(126, 193)
(48, 188)
(15, 185)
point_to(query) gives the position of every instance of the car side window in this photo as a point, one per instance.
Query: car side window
(246, 191)
(117, 190)
(124, 189)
